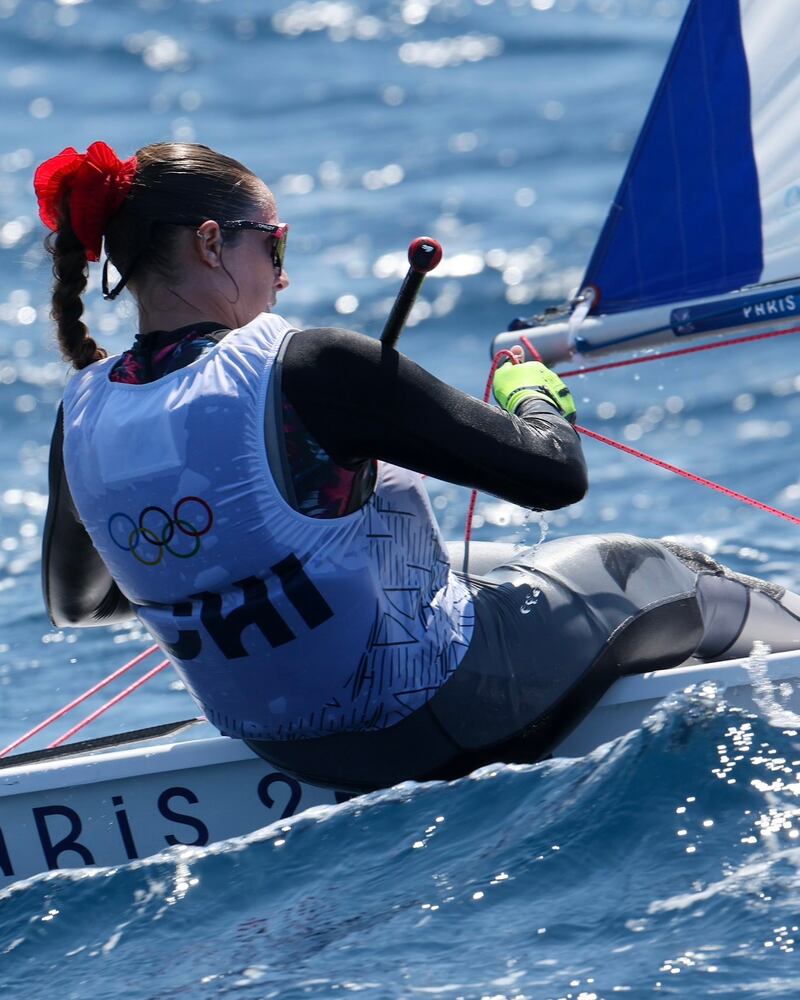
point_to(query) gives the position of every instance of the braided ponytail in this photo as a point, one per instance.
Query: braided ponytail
(70, 271)
(77, 195)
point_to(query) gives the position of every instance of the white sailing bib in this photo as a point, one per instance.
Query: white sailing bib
(280, 625)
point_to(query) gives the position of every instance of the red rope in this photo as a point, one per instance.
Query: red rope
(473, 497)
(751, 339)
(657, 461)
(109, 704)
(690, 476)
(77, 701)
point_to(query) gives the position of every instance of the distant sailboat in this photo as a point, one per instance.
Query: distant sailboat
(703, 235)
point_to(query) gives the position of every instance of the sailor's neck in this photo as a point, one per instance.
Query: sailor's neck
(178, 333)
(174, 314)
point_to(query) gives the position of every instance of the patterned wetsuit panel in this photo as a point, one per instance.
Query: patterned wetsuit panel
(424, 618)
(321, 487)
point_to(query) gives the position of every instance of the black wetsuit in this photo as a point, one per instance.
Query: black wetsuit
(554, 627)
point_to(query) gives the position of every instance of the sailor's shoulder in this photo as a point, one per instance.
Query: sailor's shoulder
(266, 325)
(81, 381)
(329, 344)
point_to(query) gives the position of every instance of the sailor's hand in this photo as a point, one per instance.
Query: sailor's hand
(513, 383)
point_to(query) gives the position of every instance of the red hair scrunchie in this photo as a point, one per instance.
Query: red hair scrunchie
(97, 182)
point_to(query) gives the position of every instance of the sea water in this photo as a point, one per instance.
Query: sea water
(667, 861)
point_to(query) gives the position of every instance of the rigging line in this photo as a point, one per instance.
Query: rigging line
(690, 475)
(473, 497)
(750, 339)
(109, 704)
(77, 701)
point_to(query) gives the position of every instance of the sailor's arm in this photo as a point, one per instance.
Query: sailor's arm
(362, 401)
(78, 589)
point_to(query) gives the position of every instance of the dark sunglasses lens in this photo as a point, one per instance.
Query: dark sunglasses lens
(279, 252)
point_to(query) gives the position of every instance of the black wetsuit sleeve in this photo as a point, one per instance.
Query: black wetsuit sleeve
(363, 401)
(78, 589)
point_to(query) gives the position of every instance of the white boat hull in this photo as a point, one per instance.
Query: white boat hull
(107, 808)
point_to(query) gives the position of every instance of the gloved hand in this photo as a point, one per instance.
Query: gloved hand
(513, 383)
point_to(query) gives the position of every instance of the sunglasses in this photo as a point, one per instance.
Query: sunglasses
(279, 232)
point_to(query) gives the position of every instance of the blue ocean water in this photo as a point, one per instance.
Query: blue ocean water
(664, 863)
(501, 127)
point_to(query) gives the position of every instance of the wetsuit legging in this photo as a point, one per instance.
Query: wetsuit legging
(555, 627)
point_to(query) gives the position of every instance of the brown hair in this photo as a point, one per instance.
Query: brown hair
(176, 184)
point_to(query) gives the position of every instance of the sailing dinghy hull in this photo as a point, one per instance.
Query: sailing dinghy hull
(111, 807)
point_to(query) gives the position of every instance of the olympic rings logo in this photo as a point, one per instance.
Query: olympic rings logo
(191, 518)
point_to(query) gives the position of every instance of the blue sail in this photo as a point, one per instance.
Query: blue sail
(687, 219)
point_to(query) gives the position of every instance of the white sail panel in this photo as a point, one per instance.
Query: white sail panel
(770, 37)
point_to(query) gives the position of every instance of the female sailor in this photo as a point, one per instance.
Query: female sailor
(252, 493)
